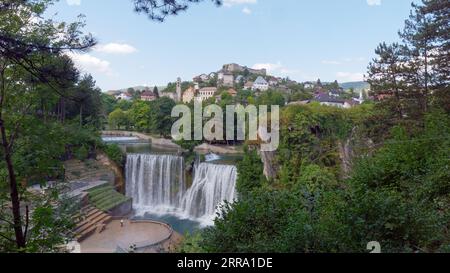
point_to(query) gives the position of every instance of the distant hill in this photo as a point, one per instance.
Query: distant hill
(137, 88)
(140, 88)
(355, 85)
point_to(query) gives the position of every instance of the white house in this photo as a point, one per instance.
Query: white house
(309, 85)
(260, 84)
(124, 96)
(206, 93)
(273, 82)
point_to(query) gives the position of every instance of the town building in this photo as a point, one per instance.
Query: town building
(188, 95)
(335, 93)
(148, 96)
(201, 78)
(309, 85)
(206, 93)
(228, 79)
(232, 92)
(273, 81)
(260, 84)
(325, 99)
(248, 85)
(124, 96)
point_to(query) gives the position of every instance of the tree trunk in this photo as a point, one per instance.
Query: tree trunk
(425, 95)
(14, 193)
(81, 115)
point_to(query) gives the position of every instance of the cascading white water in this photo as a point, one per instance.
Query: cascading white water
(211, 157)
(213, 184)
(156, 183)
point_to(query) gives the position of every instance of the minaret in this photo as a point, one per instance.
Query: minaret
(178, 97)
(361, 95)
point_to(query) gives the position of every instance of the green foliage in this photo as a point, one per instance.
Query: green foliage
(119, 118)
(124, 105)
(160, 120)
(250, 173)
(397, 196)
(140, 116)
(314, 179)
(273, 221)
(114, 153)
(150, 117)
(108, 103)
(191, 243)
(81, 153)
(271, 97)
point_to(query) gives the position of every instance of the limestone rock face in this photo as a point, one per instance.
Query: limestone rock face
(270, 168)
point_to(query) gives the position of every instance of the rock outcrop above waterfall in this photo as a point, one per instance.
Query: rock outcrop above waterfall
(270, 166)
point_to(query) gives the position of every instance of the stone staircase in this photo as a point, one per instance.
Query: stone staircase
(90, 220)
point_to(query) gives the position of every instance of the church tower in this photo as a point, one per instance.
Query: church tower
(179, 95)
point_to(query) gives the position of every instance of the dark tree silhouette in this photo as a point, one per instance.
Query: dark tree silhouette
(158, 10)
(32, 47)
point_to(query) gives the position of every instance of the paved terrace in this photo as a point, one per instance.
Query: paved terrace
(147, 236)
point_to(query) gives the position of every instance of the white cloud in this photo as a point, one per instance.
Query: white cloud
(229, 3)
(73, 2)
(350, 77)
(270, 67)
(278, 69)
(247, 10)
(374, 2)
(90, 63)
(115, 48)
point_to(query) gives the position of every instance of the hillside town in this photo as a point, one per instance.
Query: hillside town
(326, 131)
(235, 80)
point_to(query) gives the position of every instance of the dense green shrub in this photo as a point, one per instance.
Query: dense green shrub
(250, 174)
(114, 153)
(398, 196)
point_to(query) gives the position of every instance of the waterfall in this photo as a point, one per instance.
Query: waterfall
(211, 157)
(156, 183)
(213, 184)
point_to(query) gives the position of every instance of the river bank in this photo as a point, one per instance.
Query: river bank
(168, 143)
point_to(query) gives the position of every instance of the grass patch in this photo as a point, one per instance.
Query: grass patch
(105, 197)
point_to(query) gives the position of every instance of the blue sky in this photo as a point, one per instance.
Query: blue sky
(302, 39)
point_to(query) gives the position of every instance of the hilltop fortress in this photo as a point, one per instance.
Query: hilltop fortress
(233, 68)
